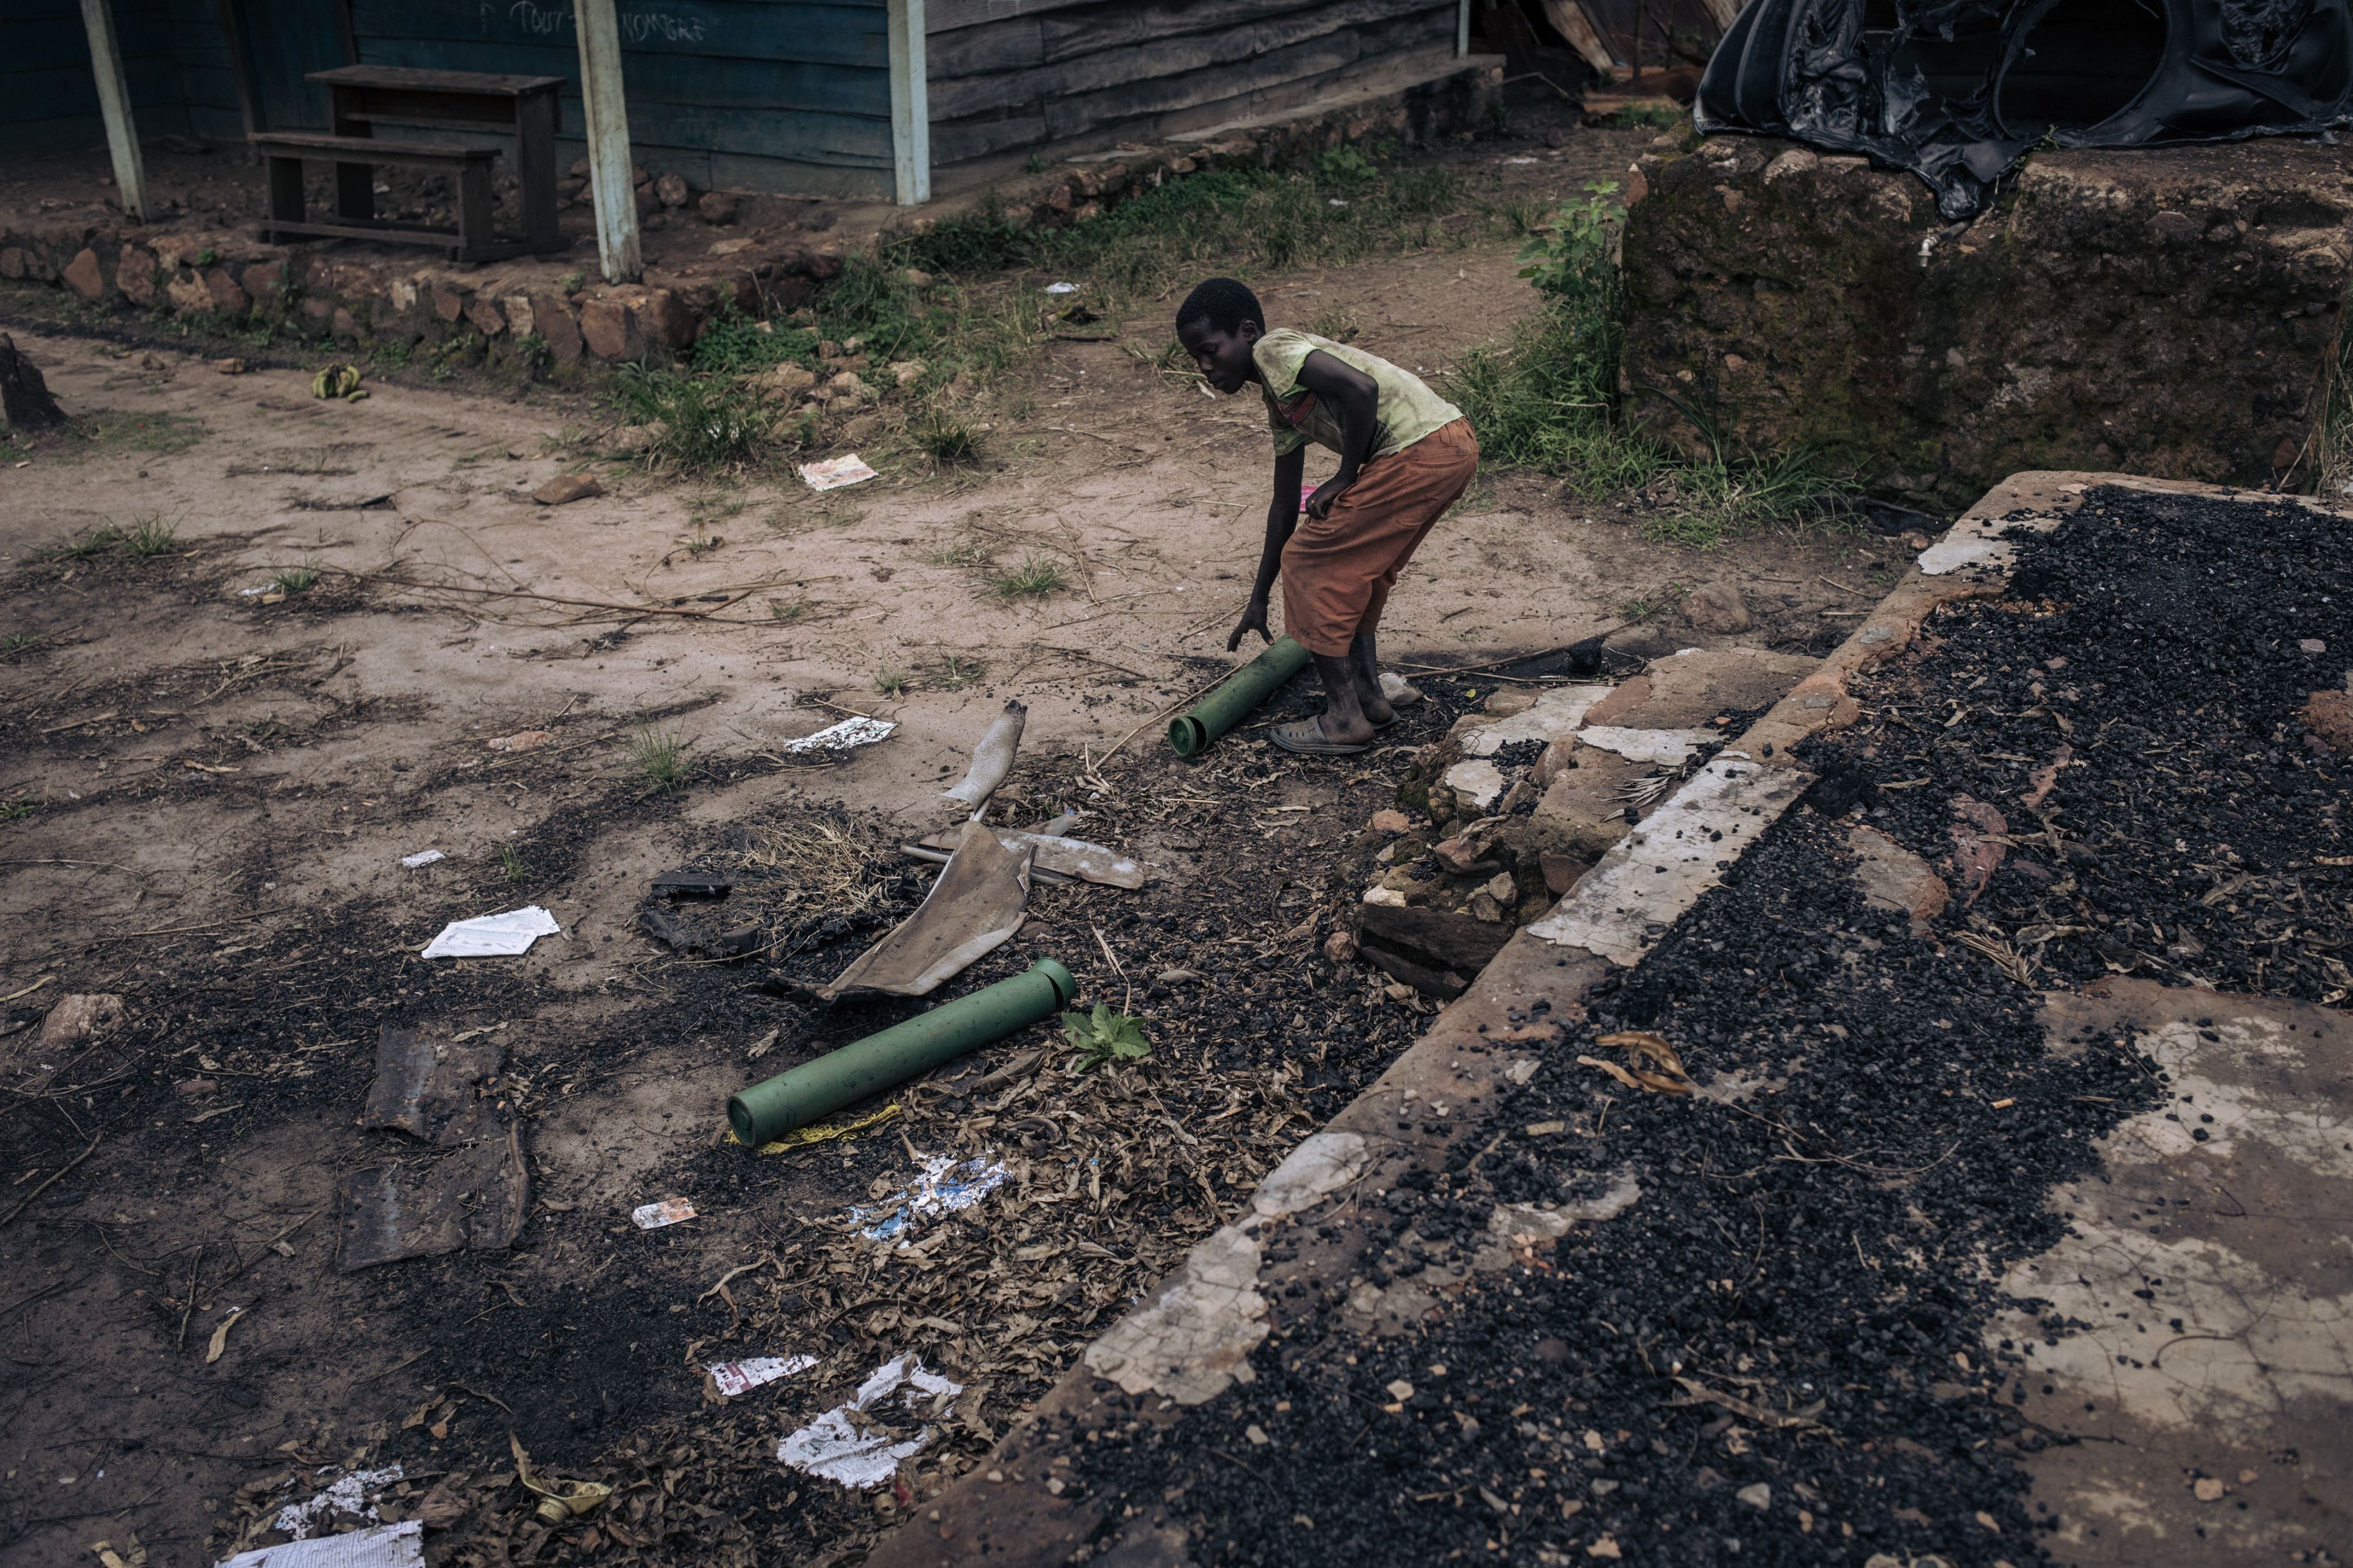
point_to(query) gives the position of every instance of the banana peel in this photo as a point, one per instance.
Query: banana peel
(559, 1503)
(338, 380)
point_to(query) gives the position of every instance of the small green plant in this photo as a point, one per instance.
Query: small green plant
(787, 611)
(971, 552)
(13, 810)
(1337, 323)
(1034, 579)
(1644, 117)
(696, 423)
(207, 257)
(660, 756)
(391, 353)
(735, 343)
(1344, 166)
(510, 861)
(890, 681)
(1104, 1038)
(103, 540)
(948, 442)
(15, 643)
(534, 355)
(957, 672)
(293, 580)
(151, 535)
(570, 282)
(1034, 164)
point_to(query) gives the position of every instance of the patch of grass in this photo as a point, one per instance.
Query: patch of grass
(510, 862)
(659, 757)
(1523, 216)
(787, 611)
(971, 552)
(293, 580)
(16, 810)
(391, 353)
(890, 681)
(103, 540)
(1651, 606)
(955, 672)
(151, 535)
(1035, 578)
(734, 343)
(695, 423)
(1335, 322)
(946, 440)
(15, 643)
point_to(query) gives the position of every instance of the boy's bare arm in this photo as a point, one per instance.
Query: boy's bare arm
(1351, 395)
(1281, 517)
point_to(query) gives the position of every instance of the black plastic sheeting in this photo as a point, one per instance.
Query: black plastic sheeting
(1957, 90)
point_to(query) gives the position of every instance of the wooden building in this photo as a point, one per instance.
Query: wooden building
(791, 96)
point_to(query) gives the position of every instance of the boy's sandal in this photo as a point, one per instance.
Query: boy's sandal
(1306, 737)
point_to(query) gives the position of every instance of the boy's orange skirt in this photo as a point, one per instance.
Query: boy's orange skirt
(1337, 573)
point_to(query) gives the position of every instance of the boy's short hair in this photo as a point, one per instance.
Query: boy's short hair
(1224, 304)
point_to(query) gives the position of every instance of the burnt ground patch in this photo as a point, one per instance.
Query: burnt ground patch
(1778, 1354)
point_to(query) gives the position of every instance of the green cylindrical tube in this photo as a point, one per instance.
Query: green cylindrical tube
(1191, 732)
(795, 1099)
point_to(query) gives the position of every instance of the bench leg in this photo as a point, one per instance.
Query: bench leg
(285, 189)
(535, 170)
(474, 234)
(355, 192)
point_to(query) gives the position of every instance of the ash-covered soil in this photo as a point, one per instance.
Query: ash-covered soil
(1776, 1355)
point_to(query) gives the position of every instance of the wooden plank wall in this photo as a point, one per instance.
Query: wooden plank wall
(1006, 74)
(789, 95)
(207, 85)
(49, 97)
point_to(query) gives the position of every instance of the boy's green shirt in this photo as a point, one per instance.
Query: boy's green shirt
(1407, 409)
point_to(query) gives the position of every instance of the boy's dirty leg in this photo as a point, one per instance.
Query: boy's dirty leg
(1354, 708)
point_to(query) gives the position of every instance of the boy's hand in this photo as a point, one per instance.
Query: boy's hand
(1253, 620)
(1319, 505)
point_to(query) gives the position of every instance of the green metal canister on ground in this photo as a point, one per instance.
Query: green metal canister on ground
(1190, 732)
(816, 1089)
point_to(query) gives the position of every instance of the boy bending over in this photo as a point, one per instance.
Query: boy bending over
(1406, 454)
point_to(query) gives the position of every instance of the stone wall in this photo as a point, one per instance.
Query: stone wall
(2170, 312)
(361, 295)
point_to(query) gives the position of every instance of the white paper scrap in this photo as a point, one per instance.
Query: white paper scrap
(947, 1186)
(422, 858)
(1061, 287)
(836, 472)
(653, 1216)
(841, 737)
(348, 1494)
(860, 1454)
(738, 1377)
(399, 1545)
(493, 936)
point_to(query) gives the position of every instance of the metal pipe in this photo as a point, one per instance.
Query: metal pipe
(766, 1112)
(1191, 732)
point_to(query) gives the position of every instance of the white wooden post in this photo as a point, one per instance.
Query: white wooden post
(911, 109)
(1461, 29)
(114, 103)
(605, 113)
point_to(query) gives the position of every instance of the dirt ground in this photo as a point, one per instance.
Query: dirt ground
(208, 792)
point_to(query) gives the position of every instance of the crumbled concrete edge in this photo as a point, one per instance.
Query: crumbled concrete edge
(1474, 1049)
(536, 311)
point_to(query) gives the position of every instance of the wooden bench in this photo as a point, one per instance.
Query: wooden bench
(356, 159)
(524, 108)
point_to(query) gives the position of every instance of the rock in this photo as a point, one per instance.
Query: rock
(1558, 757)
(25, 400)
(1502, 888)
(83, 276)
(231, 366)
(1582, 813)
(1933, 383)
(1561, 871)
(1470, 850)
(565, 489)
(1506, 701)
(1340, 947)
(1390, 820)
(905, 372)
(1890, 877)
(1477, 784)
(1717, 607)
(717, 208)
(1484, 907)
(671, 190)
(788, 378)
(79, 1019)
(861, 428)
(1436, 952)
(914, 278)
(2311, 644)
(1756, 1495)
(196, 1088)
(1686, 690)
(2329, 716)
(847, 384)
